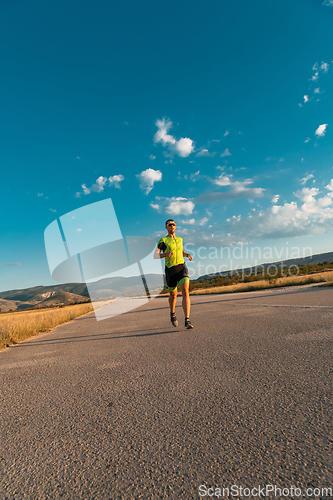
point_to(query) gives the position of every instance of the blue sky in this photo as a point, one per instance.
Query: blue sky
(218, 115)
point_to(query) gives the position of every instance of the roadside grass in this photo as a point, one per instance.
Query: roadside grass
(264, 284)
(17, 326)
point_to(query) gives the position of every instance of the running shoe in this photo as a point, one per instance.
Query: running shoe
(188, 324)
(174, 320)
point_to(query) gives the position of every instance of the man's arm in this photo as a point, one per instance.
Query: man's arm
(159, 255)
(187, 255)
(161, 247)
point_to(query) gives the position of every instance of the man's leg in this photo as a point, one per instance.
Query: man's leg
(185, 288)
(172, 304)
(172, 300)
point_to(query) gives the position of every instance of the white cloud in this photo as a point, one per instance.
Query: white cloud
(174, 205)
(226, 152)
(276, 198)
(147, 179)
(78, 230)
(162, 132)
(115, 180)
(154, 205)
(205, 152)
(313, 216)
(239, 190)
(152, 157)
(328, 3)
(39, 195)
(52, 209)
(269, 158)
(203, 221)
(194, 176)
(223, 180)
(307, 139)
(311, 204)
(100, 184)
(189, 221)
(98, 187)
(307, 194)
(183, 147)
(193, 222)
(330, 188)
(305, 179)
(180, 206)
(306, 98)
(319, 69)
(320, 132)
(309, 215)
(226, 133)
(240, 187)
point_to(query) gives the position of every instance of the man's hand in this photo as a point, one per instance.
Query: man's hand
(170, 254)
(189, 257)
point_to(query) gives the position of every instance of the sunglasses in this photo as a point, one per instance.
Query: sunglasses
(171, 224)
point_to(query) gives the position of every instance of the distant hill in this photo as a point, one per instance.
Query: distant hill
(43, 296)
(56, 299)
(70, 293)
(313, 259)
(40, 293)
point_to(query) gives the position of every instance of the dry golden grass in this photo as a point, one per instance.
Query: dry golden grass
(262, 284)
(17, 326)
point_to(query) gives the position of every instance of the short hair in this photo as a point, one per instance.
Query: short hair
(169, 220)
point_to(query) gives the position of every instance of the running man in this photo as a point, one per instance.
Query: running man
(176, 272)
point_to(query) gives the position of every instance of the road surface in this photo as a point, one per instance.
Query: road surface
(131, 408)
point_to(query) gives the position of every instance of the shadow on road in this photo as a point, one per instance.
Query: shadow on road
(86, 338)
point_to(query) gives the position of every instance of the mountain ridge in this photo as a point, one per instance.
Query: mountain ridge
(69, 293)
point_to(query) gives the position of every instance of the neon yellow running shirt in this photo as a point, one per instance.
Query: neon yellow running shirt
(174, 245)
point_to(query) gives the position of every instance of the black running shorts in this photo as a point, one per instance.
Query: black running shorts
(176, 275)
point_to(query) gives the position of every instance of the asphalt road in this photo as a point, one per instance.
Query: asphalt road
(131, 408)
